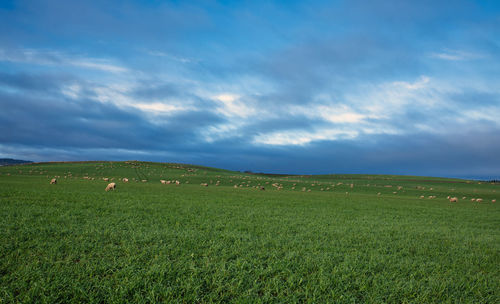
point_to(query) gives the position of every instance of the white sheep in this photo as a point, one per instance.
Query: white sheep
(111, 186)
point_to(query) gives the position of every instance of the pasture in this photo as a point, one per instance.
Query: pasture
(318, 239)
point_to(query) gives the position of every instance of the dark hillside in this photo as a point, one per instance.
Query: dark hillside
(10, 162)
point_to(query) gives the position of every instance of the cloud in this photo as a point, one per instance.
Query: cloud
(42, 82)
(290, 138)
(158, 108)
(231, 105)
(170, 56)
(455, 55)
(98, 64)
(57, 58)
(325, 86)
(86, 123)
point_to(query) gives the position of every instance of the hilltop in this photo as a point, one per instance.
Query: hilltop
(10, 161)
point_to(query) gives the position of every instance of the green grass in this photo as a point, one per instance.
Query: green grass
(149, 243)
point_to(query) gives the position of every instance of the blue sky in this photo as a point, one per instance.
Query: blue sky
(396, 87)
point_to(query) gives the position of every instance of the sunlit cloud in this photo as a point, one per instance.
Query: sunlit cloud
(300, 138)
(232, 106)
(159, 108)
(338, 113)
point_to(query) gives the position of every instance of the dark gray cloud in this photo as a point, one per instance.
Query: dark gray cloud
(63, 123)
(418, 154)
(34, 82)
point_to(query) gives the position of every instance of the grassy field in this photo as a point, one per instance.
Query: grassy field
(329, 238)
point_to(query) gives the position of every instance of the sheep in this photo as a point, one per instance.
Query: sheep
(111, 186)
(53, 181)
(125, 180)
(262, 188)
(493, 200)
(204, 184)
(453, 200)
(479, 200)
(163, 181)
(105, 179)
(421, 196)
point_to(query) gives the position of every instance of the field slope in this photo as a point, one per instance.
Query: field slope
(328, 238)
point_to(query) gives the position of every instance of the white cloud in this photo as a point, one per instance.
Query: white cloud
(159, 108)
(303, 137)
(71, 91)
(98, 64)
(334, 113)
(389, 99)
(170, 56)
(491, 114)
(226, 98)
(421, 83)
(56, 58)
(231, 105)
(114, 93)
(456, 55)
(221, 131)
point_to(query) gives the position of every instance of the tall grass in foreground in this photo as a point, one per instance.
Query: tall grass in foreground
(148, 243)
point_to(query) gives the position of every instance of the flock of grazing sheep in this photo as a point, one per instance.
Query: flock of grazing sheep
(112, 186)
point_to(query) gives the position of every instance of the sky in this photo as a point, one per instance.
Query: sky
(298, 87)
